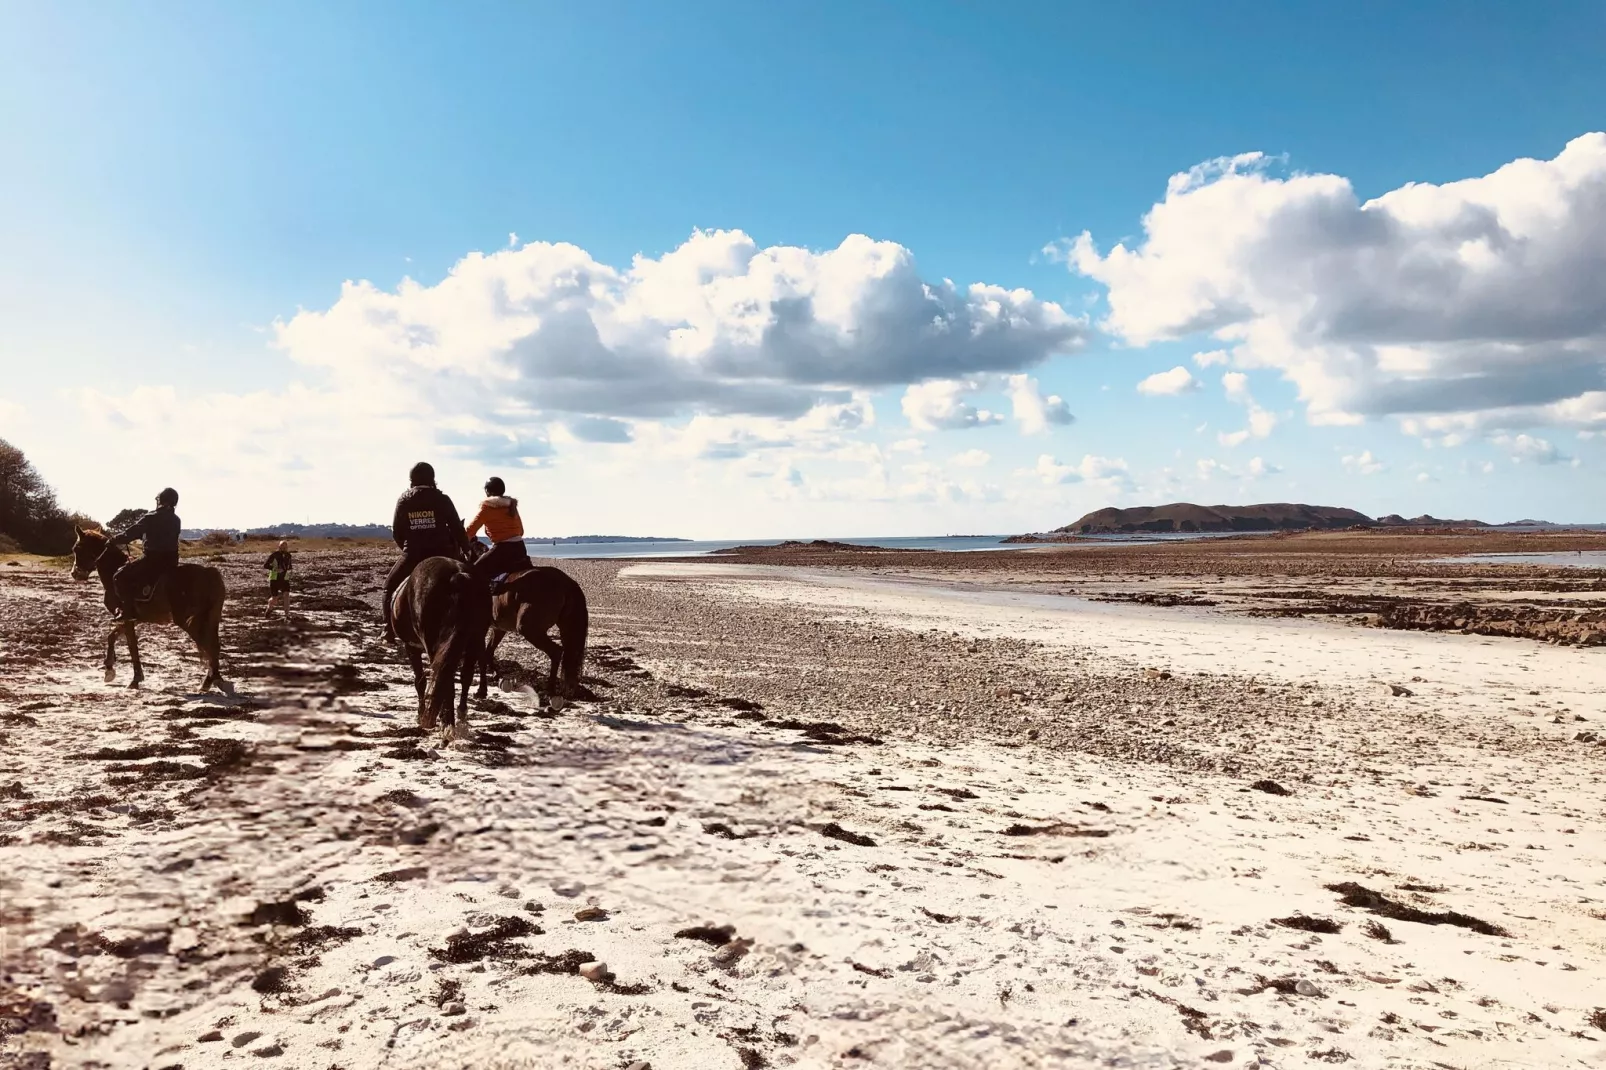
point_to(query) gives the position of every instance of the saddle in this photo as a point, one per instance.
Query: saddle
(144, 600)
(148, 592)
(500, 581)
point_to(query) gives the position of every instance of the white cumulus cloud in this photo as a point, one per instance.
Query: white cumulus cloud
(1531, 450)
(1481, 300)
(940, 405)
(1362, 464)
(1261, 422)
(1178, 380)
(1109, 471)
(717, 325)
(1034, 412)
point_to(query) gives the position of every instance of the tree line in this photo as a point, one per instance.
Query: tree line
(31, 520)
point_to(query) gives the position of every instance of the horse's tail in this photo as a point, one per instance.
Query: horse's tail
(574, 622)
(457, 643)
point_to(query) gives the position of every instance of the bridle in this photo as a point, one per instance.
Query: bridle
(99, 565)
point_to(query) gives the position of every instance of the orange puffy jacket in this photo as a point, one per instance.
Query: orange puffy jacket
(500, 518)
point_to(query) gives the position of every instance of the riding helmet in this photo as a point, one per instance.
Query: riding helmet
(168, 497)
(495, 487)
(422, 474)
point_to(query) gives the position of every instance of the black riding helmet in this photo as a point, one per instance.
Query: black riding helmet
(167, 497)
(494, 487)
(422, 474)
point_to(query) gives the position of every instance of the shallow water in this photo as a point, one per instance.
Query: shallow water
(1577, 559)
(699, 548)
(949, 543)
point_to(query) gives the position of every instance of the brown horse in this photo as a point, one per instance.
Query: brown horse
(440, 610)
(191, 597)
(531, 603)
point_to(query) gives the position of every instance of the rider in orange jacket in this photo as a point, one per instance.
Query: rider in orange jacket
(499, 516)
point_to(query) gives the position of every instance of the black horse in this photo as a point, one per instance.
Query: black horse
(441, 612)
(533, 603)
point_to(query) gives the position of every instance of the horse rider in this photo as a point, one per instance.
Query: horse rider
(158, 532)
(426, 525)
(499, 516)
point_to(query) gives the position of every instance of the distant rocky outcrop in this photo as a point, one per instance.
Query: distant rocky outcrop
(1395, 520)
(1187, 517)
(815, 546)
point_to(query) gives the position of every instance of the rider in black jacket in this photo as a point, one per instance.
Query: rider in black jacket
(159, 531)
(426, 524)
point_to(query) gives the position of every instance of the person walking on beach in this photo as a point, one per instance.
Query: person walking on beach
(499, 516)
(278, 566)
(426, 524)
(158, 532)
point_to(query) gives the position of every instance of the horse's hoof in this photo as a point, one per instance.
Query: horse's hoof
(558, 703)
(133, 685)
(225, 687)
(111, 674)
(456, 731)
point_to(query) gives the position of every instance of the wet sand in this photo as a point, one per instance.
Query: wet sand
(887, 814)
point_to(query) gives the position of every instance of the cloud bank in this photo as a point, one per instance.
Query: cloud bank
(1475, 304)
(718, 325)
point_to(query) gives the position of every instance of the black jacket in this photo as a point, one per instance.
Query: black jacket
(427, 521)
(159, 529)
(278, 561)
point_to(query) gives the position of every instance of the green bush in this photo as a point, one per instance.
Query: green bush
(29, 513)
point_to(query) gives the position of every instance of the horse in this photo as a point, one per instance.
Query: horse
(531, 603)
(441, 610)
(191, 596)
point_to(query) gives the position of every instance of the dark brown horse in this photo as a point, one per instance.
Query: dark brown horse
(531, 604)
(441, 612)
(191, 597)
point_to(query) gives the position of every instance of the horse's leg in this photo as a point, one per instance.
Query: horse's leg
(110, 662)
(488, 663)
(195, 632)
(214, 651)
(133, 655)
(416, 660)
(548, 646)
(465, 679)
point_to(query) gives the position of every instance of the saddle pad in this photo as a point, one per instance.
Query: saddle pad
(501, 580)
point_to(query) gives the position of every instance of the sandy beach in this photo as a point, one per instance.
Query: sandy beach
(1023, 809)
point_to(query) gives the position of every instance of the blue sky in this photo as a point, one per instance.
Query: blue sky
(179, 183)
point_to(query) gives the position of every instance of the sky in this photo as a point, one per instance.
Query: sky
(726, 270)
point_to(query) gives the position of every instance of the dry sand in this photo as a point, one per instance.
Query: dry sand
(933, 821)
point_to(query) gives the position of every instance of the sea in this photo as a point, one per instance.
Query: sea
(704, 547)
(1574, 559)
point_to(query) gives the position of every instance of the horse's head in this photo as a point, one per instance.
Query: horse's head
(86, 550)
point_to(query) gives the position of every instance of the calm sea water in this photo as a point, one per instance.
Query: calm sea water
(951, 543)
(700, 548)
(1581, 559)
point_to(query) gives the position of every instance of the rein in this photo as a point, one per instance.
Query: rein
(109, 561)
